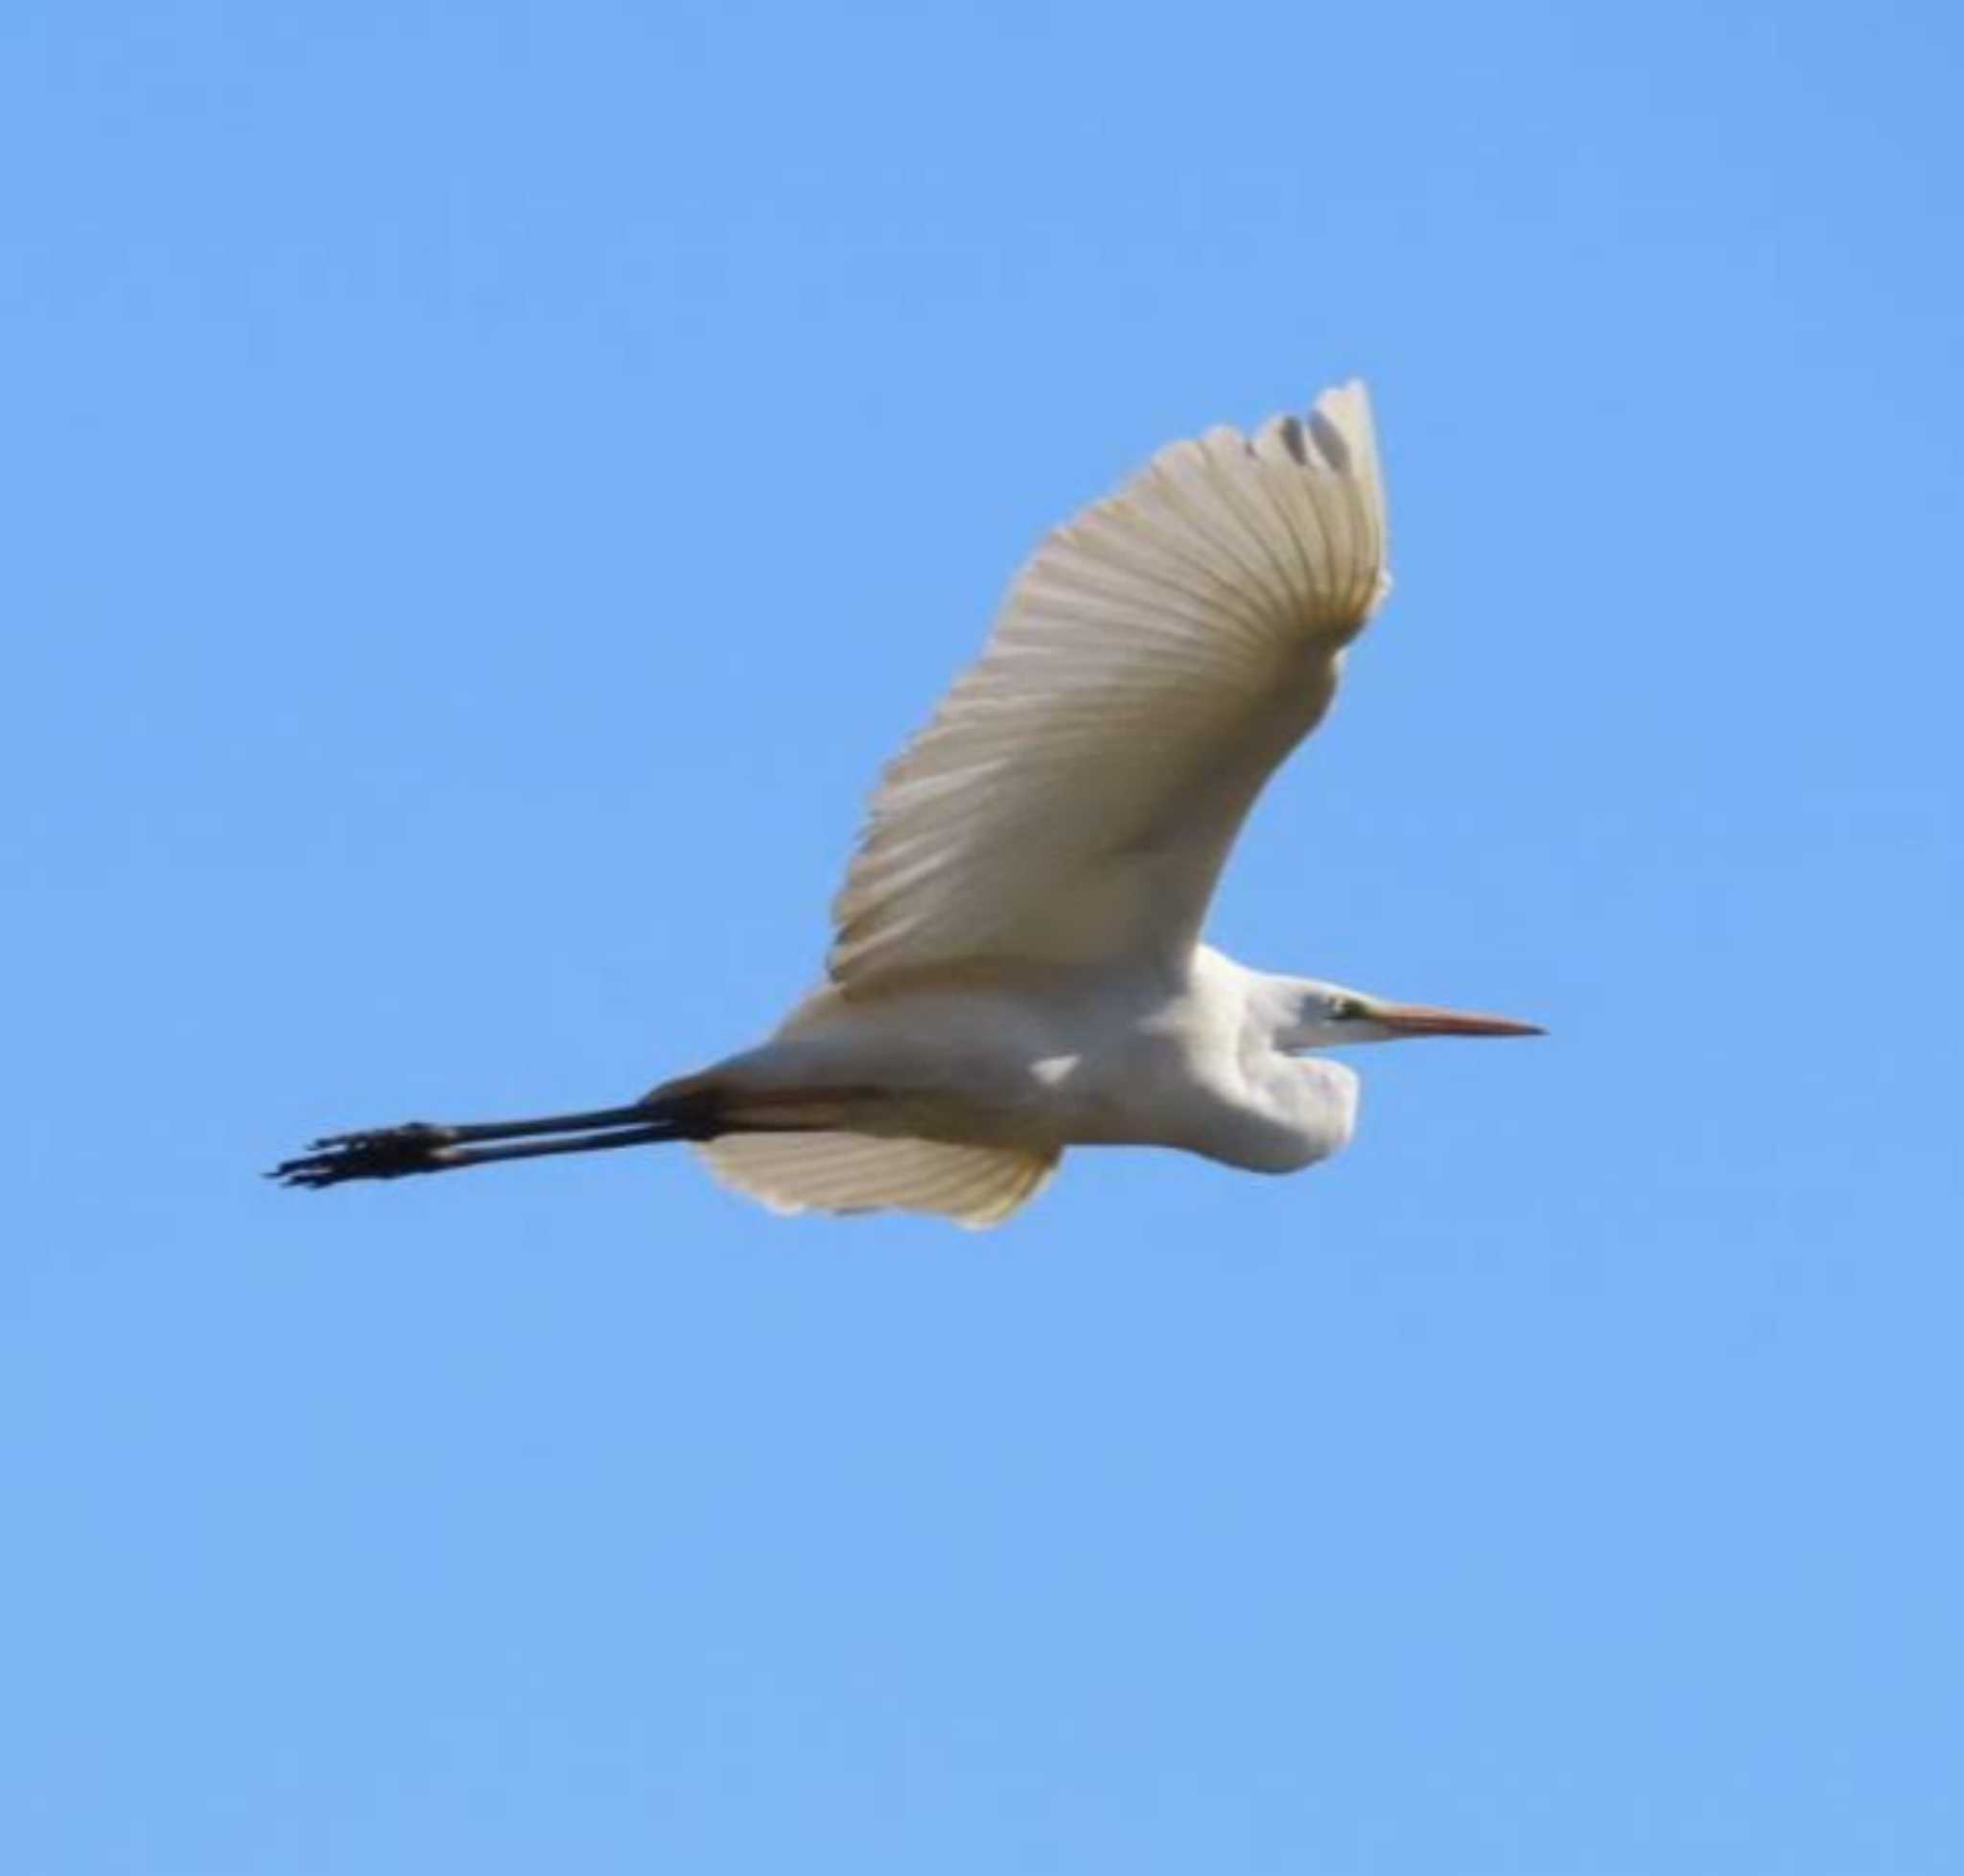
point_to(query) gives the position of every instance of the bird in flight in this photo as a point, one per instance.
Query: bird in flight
(1016, 965)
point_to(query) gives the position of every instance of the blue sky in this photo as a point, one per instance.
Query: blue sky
(487, 486)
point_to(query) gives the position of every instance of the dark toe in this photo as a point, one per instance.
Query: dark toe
(381, 1153)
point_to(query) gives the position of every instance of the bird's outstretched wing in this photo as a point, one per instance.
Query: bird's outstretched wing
(1077, 792)
(976, 1186)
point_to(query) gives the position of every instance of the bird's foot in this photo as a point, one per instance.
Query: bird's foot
(375, 1153)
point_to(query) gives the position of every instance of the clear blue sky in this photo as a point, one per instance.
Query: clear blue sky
(485, 487)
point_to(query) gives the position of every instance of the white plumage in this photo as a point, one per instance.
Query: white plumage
(790, 1173)
(1016, 965)
(1076, 794)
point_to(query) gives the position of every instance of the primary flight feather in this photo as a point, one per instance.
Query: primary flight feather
(1016, 965)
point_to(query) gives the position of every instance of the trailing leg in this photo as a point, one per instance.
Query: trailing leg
(668, 1113)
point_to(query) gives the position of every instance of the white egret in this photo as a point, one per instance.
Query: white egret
(1017, 966)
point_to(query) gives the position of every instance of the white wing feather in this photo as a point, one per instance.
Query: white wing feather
(976, 1186)
(1075, 796)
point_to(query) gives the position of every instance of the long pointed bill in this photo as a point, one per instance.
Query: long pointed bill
(1422, 1020)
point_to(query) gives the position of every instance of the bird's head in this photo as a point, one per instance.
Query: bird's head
(1307, 1015)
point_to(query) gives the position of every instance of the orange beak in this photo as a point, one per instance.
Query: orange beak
(1422, 1020)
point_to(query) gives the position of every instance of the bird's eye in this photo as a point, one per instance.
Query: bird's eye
(1345, 1009)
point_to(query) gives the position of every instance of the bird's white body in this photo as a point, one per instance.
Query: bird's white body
(1038, 1059)
(957, 1093)
(1017, 964)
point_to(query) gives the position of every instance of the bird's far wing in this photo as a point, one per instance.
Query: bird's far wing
(1077, 792)
(974, 1186)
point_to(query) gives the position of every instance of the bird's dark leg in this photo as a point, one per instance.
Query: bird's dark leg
(419, 1147)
